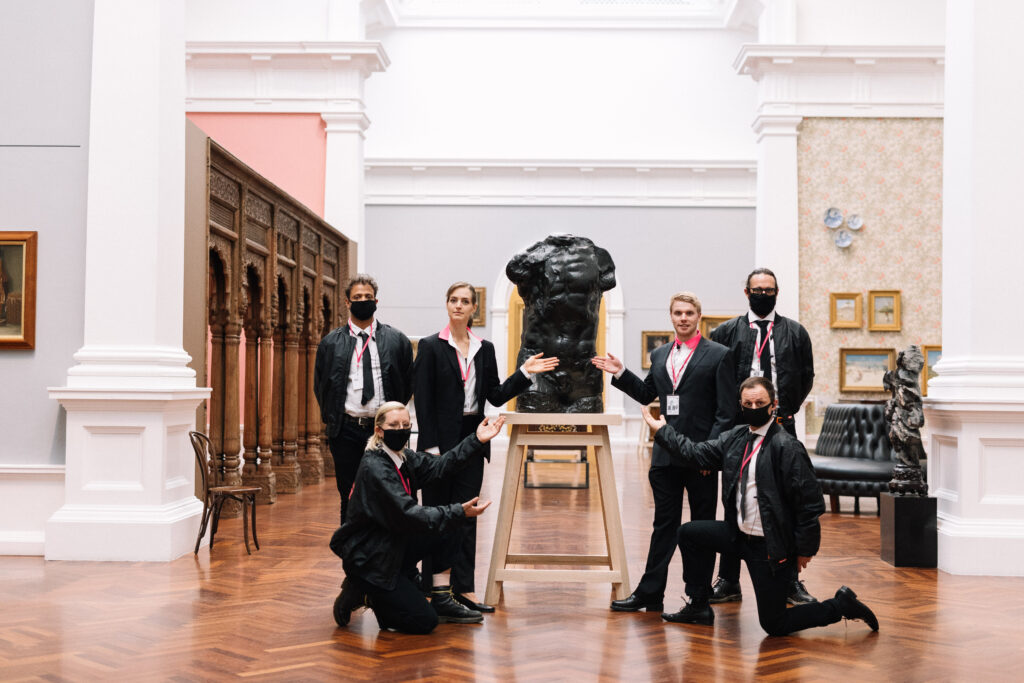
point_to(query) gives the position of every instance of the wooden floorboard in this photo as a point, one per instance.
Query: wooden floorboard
(267, 617)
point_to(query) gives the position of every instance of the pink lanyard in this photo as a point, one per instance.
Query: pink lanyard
(764, 342)
(405, 484)
(746, 458)
(369, 336)
(671, 364)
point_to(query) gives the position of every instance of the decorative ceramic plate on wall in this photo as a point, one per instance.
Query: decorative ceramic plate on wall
(833, 218)
(843, 239)
(854, 221)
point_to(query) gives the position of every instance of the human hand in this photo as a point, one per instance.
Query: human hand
(609, 363)
(474, 508)
(655, 425)
(802, 562)
(488, 429)
(536, 364)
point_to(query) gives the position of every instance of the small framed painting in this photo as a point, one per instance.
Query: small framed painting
(884, 311)
(932, 355)
(845, 310)
(863, 369)
(708, 323)
(480, 316)
(650, 341)
(18, 290)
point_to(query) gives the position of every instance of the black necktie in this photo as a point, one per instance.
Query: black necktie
(745, 474)
(766, 351)
(367, 370)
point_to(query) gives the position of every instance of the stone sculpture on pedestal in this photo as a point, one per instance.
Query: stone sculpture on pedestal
(905, 416)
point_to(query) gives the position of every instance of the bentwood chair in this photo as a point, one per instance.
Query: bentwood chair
(216, 496)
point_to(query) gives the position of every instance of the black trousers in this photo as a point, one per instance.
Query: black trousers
(729, 564)
(404, 608)
(698, 543)
(463, 485)
(347, 450)
(668, 484)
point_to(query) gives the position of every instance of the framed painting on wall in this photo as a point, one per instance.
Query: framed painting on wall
(18, 290)
(931, 354)
(708, 323)
(845, 310)
(650, 341)
(863, 369)
(884, 310)
(480, 316)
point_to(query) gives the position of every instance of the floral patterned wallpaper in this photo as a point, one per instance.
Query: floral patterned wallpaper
(889, 171)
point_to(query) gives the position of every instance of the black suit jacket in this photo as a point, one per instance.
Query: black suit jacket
(334, 358)
(440, 395)
(707, 393)
(794, 359)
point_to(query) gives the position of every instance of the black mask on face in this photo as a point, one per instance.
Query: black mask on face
(363, 310)
(762, 304)
(395, 439)
(755, 417)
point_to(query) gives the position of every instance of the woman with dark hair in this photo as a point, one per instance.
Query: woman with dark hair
(455, 372)
(386, 532)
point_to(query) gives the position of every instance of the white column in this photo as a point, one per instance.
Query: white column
(344, 178)
(131, 397)
(975, 408)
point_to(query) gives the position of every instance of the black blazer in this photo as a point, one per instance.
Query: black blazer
(707, 393)
(334, 358)
(794, 359)
(440, 396)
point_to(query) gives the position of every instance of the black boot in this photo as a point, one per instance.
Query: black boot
(725, 591)
(798, 594)
(449, 611)
(852, 608)
(696, 612)
(348, 599)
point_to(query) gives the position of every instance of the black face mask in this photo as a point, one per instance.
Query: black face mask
(395, 439)
(363, 310)
(755, 417)
(762, 304)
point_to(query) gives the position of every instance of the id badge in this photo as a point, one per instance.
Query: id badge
(757, 373)
(672, 405)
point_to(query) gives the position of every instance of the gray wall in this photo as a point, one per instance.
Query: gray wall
(45, 64)
(415, 252)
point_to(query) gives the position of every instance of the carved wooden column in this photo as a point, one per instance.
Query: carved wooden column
(313, 424)
(286, 468)
(230, 474)
(312, 471)
(217, 394)
(250, 419)
(277, 407)
(265, 425)
(300, 409)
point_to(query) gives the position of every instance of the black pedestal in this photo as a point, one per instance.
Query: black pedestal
(908, 534)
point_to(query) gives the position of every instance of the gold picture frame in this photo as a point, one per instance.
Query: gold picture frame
(932, 354)
(480, 315)
(18, 254)
(651, 340)
(708, 323)
(862, 369)
(845, 310)
(884, 310)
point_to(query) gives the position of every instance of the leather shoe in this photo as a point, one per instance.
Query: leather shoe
(635, 603)
(692, 613)
(449, 611)
(348, 599)
(798, 594)
(478, 606)
(852, 608)
(725, 591)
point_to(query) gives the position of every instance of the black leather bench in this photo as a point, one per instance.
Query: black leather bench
(853, 456)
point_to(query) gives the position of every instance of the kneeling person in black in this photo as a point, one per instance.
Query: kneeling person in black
(386, 532)
(772, 503)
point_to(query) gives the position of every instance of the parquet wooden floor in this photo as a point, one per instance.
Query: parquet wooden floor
(268, 616)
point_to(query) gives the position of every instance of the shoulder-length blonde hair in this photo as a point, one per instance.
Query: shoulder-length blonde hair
(375, 441)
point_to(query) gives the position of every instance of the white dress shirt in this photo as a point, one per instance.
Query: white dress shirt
(752, 524)
(755, 361)
(354, 392)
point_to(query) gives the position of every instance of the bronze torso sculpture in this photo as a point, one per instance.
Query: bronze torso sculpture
(561, 280)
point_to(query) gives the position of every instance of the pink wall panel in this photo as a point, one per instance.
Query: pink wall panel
(290, 150)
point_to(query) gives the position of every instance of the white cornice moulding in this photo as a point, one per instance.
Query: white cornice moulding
(846, 80)
(531, 182)
(280, 77)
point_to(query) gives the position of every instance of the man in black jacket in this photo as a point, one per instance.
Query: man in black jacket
(766, 344)
(772, 503)
(387, 532)
(694, 380)
(359, 366)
